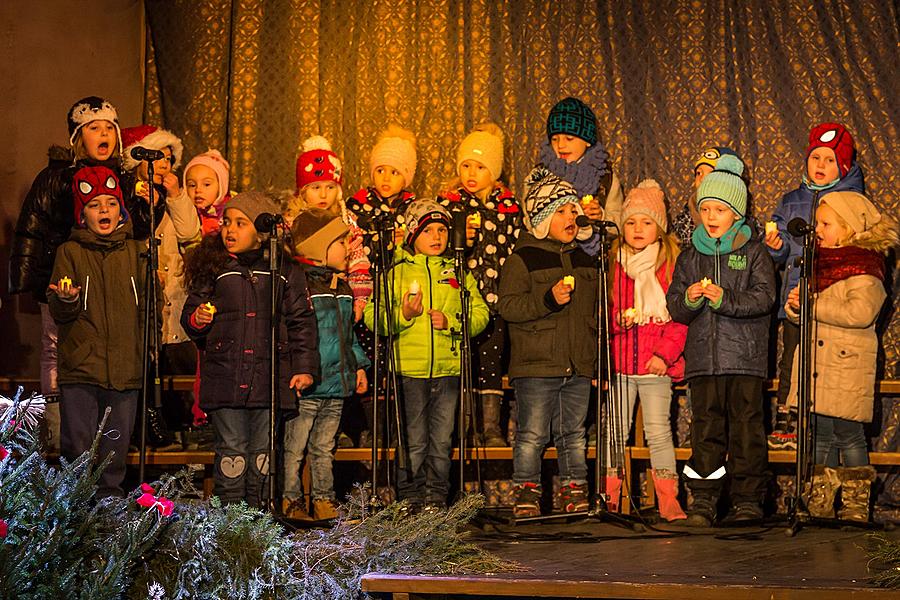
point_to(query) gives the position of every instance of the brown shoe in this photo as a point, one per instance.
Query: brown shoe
(324, 509)
(295, 508)
(856, 491)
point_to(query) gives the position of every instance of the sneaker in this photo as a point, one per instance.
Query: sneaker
(745, 511)
(782, 440)
(701, 513)
(295, 508)
(528, 501)
(324, 509)
(573, 498)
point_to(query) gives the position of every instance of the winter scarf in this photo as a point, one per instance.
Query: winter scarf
(837, 264)
(649, 297)
(585, 174)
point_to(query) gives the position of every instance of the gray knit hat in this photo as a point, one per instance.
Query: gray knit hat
(253, 204)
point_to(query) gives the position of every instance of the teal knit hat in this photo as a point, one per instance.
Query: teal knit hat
(725, 185)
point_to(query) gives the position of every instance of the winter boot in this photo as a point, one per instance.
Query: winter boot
(573, 497)
(158, 436)
(666, 484)
(825, 485)
(490, 413)
(528, 500)
(324, 509)
(295, 508)
(856, 491)
(702, 512)
(784, 433)
(613, 492)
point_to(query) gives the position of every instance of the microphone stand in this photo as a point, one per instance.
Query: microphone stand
(274, 322)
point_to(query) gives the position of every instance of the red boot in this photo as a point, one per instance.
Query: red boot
(666, 484)
(613, 492)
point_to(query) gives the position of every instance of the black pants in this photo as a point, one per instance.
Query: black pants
(790, 339)
(728, 421)
(81, 410)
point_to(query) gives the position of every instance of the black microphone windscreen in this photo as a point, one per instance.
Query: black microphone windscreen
(583, 221)
(798, 227)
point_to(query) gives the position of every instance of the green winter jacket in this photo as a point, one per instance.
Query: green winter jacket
(100, 334)
(419, 350)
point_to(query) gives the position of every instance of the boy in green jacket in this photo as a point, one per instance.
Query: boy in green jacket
(97, 301)
(426, 327)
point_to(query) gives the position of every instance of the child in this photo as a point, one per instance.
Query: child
(830, 167)
(319, 239)
(45, 220)
(684, 223)
(426, 323)
(96, 301)
(553, 344)
(227, 315)
(849, 292)
(492, 228)
(722, 289)
(206, 182)
(647, 344)
(574, 153)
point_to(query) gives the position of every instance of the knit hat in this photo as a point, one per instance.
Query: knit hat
(571, 116)
(90, 182)
(836, 137)
(396, 147)
(212, 159)
(725, 185)
(544, 194)
(711, 156)
(317, 162)
(253, 204)
(151, 137)
(90, 109)
(420, 214)
(483, 145)
(313, 232)
(646, 199)
(854, 208)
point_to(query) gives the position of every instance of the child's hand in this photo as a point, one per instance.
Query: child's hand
(359, 305)
(656, 366)
(411, 306)
(362, 382)
(173, 188)
(65, 290)
(694, 291)
(562, 292)
(301, 381)
(438, 319)
(625, 318)
(773, 240)
(793, 298)
(592, 209)
(203, 314)
(713, 293)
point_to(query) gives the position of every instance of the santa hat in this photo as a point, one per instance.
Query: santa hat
(836, 137)
(90, 109)
(317, 162)
(396, 147)
(148, 136)
(90, 182)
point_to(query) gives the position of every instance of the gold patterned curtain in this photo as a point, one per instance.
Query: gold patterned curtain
(666, 78)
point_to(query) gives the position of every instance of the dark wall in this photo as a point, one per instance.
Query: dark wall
(53, 52)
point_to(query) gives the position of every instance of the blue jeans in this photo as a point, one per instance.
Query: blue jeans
(656, 402)
(557, 404)
(316, 424)
(838, 439)
(242, 454)
(429, 406)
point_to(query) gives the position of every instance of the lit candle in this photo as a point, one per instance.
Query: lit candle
(414, 288)
(569, 280)
(140, 187)
(771, 227)
(65, 284)
(210, 308)
(630, 313)
(585, 200)
(705, 282)
(475, 220)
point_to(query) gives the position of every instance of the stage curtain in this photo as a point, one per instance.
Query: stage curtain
(666, 78)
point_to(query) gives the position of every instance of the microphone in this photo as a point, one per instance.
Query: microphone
(584, 221)
(797, 227)
(267, 221)
(458, 227)
(148, 154)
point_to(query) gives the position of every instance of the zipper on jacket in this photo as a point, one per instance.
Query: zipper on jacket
(713, 318)
(342, 345)
(431, 329)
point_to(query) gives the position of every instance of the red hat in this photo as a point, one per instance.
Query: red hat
(836, 137)
(151, 137)
(90, 182)
(317, 162)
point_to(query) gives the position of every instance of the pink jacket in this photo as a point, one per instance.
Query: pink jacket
(633, 347)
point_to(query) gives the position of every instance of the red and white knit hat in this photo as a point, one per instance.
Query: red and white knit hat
(317, 162)
(148, 136)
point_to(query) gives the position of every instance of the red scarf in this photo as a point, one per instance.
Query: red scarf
(837, 264)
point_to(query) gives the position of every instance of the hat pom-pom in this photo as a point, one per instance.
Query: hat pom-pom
(395, 131)
(316, 142)
(649, 183)
(730, 163)
(492, 129)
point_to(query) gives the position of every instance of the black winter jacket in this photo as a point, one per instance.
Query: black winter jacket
(234, 348)
(546, 339)
(732, 339)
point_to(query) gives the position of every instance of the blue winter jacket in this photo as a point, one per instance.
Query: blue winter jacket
(340, 354)
(798, 203)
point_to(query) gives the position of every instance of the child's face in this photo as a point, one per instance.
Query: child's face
(202, 186)
(388, 181)
(830, 229)
(161, 167)
(432, 241)
(640, 231)
(100, 139)
(821, 166)
(101, 214)
(699, 173)
(336, 256)
(238, 233)
(717, 217)
(562, 223)
(475, 176)
(321, 194)
(568, 147)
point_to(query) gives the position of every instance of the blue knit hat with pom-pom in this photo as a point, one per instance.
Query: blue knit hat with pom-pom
(725, 184)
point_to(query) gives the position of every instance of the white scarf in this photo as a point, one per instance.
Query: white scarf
(649, 297)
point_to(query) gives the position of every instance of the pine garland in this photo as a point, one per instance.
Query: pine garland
(884, 559)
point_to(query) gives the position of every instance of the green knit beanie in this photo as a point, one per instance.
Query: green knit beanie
(725, 185)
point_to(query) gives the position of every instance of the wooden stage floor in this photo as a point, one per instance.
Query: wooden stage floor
(561, 561)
